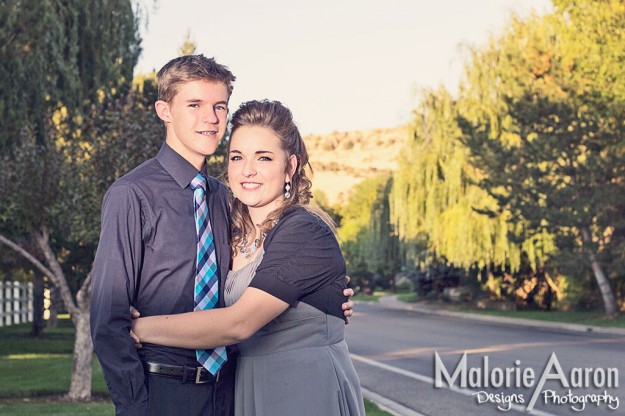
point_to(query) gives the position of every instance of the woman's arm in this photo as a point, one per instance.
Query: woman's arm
(211, 328)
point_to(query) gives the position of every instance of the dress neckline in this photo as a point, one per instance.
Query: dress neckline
(254, 261)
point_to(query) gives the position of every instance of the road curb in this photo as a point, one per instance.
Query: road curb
(392, 302)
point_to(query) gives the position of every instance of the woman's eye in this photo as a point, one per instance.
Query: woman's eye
(235, 158)
(265, 158)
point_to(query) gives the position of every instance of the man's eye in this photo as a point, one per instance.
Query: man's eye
(221, 108)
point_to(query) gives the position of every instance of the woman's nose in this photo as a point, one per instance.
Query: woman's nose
(249, 169)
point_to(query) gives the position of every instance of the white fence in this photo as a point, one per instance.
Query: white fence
(16, 303)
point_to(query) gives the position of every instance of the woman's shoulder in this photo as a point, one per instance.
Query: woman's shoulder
(300, 224)
(301, 217)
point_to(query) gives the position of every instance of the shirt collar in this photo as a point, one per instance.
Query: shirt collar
(178, 167)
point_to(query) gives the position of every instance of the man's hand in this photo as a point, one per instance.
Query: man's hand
(349, 305)
(135, 314)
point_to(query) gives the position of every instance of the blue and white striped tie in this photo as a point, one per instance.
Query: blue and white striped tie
(206, 279)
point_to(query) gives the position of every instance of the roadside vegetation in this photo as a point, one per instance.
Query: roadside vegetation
(36, 372)
(513, 186)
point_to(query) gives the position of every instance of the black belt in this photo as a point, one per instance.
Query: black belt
(197, 375)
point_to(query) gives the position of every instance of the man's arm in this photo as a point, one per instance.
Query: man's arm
(115, 271)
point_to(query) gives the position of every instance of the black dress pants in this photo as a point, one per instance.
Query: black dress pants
(171, 397)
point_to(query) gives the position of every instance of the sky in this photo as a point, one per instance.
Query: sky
(339, 65)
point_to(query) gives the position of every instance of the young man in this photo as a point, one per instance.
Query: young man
(148, 247)
(154, 252)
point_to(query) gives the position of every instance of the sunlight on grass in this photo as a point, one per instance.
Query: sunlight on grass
(366, 298)
(53, 373)
(408, 297)
(32, 356)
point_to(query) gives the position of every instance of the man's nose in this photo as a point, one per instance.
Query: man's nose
(210, 116)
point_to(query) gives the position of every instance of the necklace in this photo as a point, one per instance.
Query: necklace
(246, 250)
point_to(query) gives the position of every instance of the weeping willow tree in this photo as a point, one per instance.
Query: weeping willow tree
(542, 113)
(438, 208)
(367, 237)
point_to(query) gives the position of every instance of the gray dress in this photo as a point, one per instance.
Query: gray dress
(296, 365)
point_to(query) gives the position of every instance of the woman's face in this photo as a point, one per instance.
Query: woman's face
(257, 169)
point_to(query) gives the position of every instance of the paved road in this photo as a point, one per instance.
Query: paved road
(394, 351)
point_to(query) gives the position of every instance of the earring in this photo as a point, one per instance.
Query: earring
(287, 188)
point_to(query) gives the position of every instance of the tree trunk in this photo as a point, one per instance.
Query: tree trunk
(57, 276)
(38, 322)
(80, 387)
(607, 294)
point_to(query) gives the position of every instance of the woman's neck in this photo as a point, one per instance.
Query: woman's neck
(259, 215)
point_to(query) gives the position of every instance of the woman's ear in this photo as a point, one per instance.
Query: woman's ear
(162, 110)
(291, 167)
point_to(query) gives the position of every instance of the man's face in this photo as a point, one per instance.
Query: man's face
(196, 119)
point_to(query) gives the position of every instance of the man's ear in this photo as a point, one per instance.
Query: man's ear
(162, 110)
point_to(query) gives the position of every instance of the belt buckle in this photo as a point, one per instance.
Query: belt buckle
(198, 373)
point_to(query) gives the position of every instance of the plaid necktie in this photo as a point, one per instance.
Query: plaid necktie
(206, 281)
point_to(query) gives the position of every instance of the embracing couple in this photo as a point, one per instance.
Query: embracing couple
(240, 294)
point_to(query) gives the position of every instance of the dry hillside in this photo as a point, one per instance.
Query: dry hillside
(341, 160)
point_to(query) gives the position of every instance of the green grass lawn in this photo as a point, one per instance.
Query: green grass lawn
(43, 406)
(375, 296)
(408, 297)
(585, 318)
(366, 298)
(36, 373)
(38, 366)
(593, 318)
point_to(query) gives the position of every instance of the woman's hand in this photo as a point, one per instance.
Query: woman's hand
(348, 307)
(135, 314)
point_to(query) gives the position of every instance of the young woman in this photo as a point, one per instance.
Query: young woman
(285, 287)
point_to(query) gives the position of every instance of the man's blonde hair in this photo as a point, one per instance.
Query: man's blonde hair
(191, 68)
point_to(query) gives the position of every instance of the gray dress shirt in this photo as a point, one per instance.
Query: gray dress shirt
(146, 258)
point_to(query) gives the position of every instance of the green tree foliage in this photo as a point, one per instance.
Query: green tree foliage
(548, 136)
(437, 206)
(57, 54)
(320, 199)
(366, 233)
(70, 64)
(38, 42)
